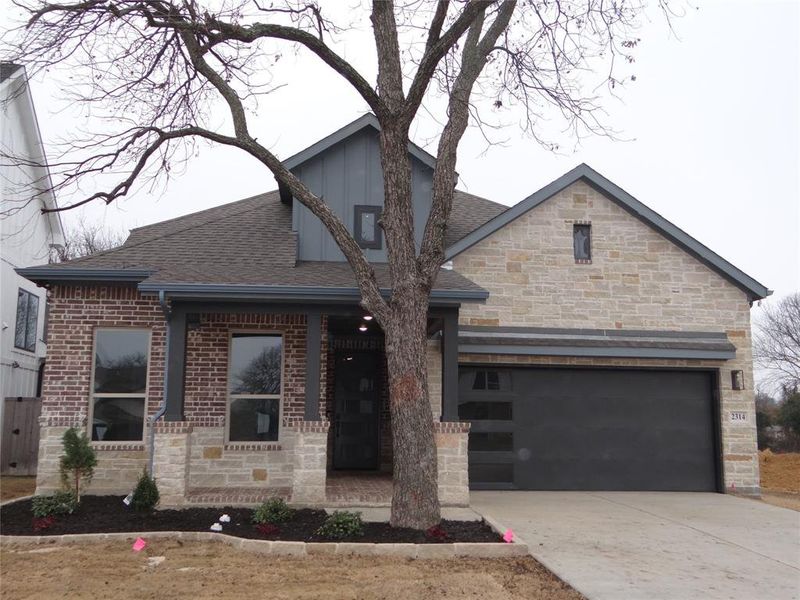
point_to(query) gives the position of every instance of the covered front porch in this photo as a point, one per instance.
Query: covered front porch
(321, 435)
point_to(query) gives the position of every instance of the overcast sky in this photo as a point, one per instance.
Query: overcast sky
(713, 122)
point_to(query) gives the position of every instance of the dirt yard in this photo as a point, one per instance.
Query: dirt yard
(16, 487)
(780, 479)
(196, 570)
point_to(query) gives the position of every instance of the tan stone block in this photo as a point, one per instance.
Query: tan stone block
(447, 440)
(212, 452)
(259, 474)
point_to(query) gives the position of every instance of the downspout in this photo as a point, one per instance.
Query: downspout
(162, 409)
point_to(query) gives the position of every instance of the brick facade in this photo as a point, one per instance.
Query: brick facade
(636, 279)
(75, 313)
(192, 459)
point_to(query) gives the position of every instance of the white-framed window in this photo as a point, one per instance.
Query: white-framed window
(118, 402)
(27, 321)
(255, 386)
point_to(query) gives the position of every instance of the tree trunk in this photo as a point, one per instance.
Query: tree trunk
(415, 497)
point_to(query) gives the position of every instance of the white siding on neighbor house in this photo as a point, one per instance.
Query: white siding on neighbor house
(26, 234)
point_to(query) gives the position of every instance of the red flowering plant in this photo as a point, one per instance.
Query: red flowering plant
(437, 533)
(267, 528)
(42, 523)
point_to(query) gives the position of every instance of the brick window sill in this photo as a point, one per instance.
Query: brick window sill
(118, 446)
(583, 261)
(252, 447)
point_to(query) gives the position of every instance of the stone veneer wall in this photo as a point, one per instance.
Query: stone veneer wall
(637, 279)
(452, 459)
(434, 355)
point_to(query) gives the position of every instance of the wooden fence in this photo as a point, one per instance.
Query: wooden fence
(19, 444)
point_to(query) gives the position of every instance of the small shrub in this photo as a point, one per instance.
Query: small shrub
(341, 525)
(272, 511)
(77, 462)
(145, 496)
(40, 524)
(60, 503)
(267, 529)
(436, 533)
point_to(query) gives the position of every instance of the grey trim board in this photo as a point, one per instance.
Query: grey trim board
(49, 274)
(305, 293)
(313, 366)
(750, 286)
(605, 352)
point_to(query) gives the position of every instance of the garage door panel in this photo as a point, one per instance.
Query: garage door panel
(598, 429)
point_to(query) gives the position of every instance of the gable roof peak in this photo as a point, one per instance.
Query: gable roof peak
(583, 172)
(367, 120)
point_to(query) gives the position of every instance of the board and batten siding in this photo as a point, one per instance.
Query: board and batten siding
(346, 175)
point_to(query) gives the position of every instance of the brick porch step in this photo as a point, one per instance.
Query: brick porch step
(222, 496)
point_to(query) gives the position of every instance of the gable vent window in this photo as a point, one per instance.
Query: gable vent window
(582, 243)
(366, 229)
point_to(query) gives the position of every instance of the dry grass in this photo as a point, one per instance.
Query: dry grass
(16, 487)
(780, 479)
(195, 570)
(780, 472)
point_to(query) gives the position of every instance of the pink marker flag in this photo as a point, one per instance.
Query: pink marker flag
(508, 536)
(139, 545)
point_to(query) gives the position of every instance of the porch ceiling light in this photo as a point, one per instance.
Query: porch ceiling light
(362, 327)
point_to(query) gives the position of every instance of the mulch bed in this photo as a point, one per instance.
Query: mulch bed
(108, 514)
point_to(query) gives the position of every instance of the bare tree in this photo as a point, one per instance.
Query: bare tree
(85, 239)
(776, 346)
(158, 68)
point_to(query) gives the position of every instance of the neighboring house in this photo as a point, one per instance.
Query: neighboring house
(578, 340)
(27, 235)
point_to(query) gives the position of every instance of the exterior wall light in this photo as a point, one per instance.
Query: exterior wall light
(362, 328)
(737, 379)
(368, 317)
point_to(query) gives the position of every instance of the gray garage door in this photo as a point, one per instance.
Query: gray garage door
(589, 429)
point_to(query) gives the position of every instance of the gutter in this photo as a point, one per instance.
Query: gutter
(162, 409)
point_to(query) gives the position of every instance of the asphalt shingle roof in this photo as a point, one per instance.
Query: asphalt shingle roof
(250, 242)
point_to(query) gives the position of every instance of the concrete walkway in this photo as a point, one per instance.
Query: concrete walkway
(653, 546)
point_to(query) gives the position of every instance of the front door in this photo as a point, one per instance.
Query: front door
(356, 419)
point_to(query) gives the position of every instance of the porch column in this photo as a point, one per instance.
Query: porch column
(313, 365)
(450, 365)
(175, 364)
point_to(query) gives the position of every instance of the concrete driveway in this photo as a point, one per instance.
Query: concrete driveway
(653, 545)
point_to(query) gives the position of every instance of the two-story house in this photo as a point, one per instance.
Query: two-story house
(26, 237)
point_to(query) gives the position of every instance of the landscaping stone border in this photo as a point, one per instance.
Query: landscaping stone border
(297, 549)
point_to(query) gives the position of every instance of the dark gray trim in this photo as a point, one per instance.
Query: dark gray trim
(299, 293)
(596, 351)
(750, 286)
(313, 366)
(367, 120)
(450, 350)
(176, 365)
(712, 345)
(377, 242)
(47, 274)
(612, 333)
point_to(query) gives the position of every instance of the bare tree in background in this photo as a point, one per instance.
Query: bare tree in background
(776, 346)
(158, 70)
(85, 239)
